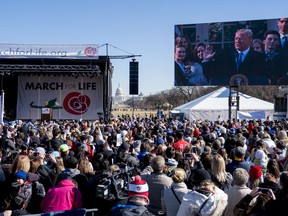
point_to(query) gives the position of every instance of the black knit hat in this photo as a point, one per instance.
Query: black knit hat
(284, 179)
(200, 175)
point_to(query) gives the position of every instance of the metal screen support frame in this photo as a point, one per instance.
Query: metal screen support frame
(233, 101)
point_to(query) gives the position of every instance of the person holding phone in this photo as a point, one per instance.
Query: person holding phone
(264, 195)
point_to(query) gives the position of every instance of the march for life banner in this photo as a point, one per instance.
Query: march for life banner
(82, 51)
(68, 97)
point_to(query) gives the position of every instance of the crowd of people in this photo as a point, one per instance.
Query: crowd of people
(251, 61)
(140, 165)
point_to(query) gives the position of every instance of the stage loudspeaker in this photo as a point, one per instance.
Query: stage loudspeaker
(133, 78)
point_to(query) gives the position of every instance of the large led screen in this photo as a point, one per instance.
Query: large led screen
(253, 52)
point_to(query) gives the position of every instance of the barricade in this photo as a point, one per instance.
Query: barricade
(73, 212)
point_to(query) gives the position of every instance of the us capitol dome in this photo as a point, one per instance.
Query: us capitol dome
(119, 95)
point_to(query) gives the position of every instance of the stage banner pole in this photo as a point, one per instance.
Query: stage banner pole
(2, 108)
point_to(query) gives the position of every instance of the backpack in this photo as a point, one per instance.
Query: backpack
(38, 193)
(23, 196)
(130, 210)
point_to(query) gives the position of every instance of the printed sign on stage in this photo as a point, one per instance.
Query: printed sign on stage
(69, 97)
(83, 51)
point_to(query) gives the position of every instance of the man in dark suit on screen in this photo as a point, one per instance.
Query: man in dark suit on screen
(282, 24)
(241, 65)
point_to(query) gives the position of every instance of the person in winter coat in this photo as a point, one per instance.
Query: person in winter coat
(220, 177)
(238, 191)
(19, 195)
(71, 169)
(138, 192)
(173, 196)
(206, 199)
(279, 205)
(46, 175)
(64, 196)
(38, 193)
(157, 181)
(263, 197)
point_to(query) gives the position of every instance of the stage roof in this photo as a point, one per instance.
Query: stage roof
(59, 66)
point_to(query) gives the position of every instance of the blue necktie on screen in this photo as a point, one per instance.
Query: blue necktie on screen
(285, 41)
(239, 60)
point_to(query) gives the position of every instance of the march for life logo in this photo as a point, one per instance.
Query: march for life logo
(76, 103)
(90, 51)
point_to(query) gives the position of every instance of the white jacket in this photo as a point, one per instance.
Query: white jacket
(191, 203)
(170, 204)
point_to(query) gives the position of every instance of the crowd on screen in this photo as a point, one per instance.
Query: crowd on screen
(179, 167)
(253, 61)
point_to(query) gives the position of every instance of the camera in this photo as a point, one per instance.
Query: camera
(115, 187)
(188, 156)
(194, 149)
(263, 190)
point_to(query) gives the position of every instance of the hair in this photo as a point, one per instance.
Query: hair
(206, 159)
(85, 166)
(261, 200)
(223, 153)
(48, 134)
(21, 162)
(240, 177)
(253, 183)
(145, 146)
(259, 41)
(207, 149)
(138, 199)
(266, 135)
(187, 149)
(206, 185)
(216, 145)
(60, 163)
(170, 152)
(71, 162)
(178, 175)
(247, 32)
(179, 135)
(239, 152)
(282, 135)
(170, 139)
(56, 132)
(218, 168)
(179, 46)
(178, 155)
(114, 168)
(273, 168)
(179, 38)
(197, 46)
(147, 159)
(34, 165)
(161, 149)
(158, 163)
(75, 183)
(273, 32)
(90, 138)
(284, 179)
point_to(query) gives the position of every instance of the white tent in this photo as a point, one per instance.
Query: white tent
(212, 105)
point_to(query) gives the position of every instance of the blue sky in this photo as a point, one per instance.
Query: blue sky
(139, 27)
